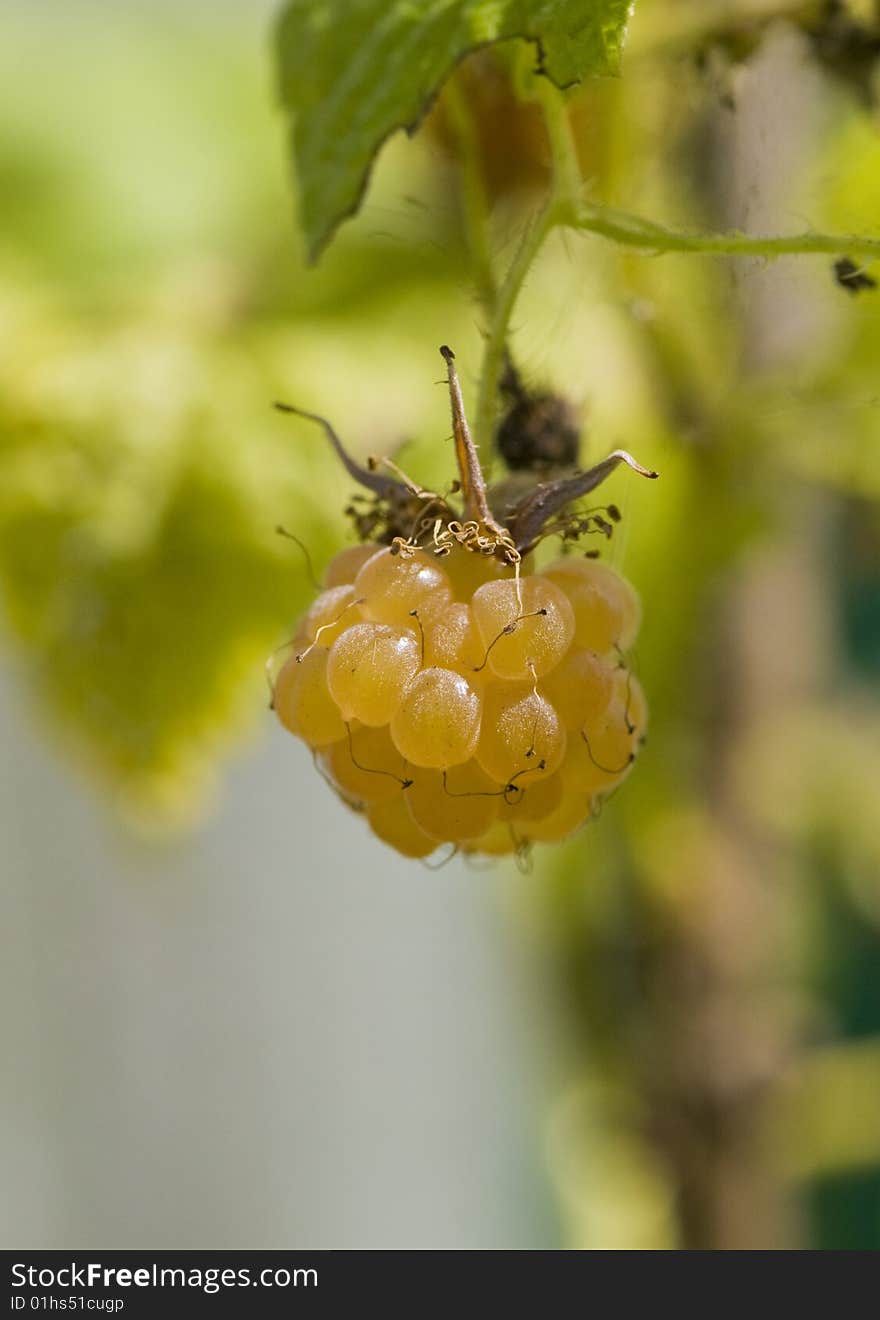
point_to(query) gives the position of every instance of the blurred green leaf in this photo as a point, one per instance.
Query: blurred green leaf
(350, 79)
(139, 564)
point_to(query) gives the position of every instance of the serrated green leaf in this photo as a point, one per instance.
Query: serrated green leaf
(352, 75)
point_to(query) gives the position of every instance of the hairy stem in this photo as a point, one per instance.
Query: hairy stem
(559, 208)
(496, 341)
(566, 207)
(567, 183)
(474, 198)
(636, 232)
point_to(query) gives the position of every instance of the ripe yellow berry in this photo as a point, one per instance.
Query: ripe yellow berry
(437, 722)
(452, 642)
(524, 635)
(572, 811)
(454, 805)
(393, 586)
(392, 823)
(606, 609)
(368, 668)
(500, 840)
(580, 687)
(467, 571)
(601, 756)
(330, 614)
(366, 767)
(302, 700)
(345, 566)
(537, 798)
(437, 753)
(452, 693)
(522, 737)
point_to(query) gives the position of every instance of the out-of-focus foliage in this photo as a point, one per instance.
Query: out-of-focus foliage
(147, 281)
(715, 933)
(136, 548)
(349, 84)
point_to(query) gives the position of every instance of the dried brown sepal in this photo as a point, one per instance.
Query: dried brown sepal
(403, 515)
(380, 485)
(398, 508)
(528, 519)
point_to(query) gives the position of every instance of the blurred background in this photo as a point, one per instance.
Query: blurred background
(233, 1018)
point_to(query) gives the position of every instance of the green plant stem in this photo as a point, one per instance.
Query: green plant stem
(474, 198)
(636, 232)
(565, 207)
(560, 208)
(567, 184)
(496, 340)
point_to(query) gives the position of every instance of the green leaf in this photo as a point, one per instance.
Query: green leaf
(352, 75)
(142, 579)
